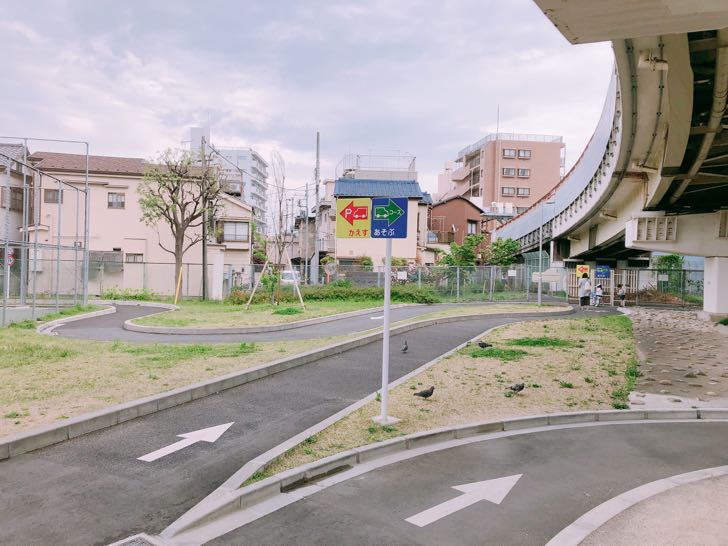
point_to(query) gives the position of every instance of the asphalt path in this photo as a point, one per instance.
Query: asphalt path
(110, 327)
(565, 473)
(93, 490)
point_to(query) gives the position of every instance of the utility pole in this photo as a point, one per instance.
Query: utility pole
(204, 218)
(316, 243)
(306, 249)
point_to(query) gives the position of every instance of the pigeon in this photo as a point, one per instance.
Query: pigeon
(518, 387)
(426, 393)
(484, 344)
(404, 346)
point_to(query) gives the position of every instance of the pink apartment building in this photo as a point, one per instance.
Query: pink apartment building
(504, 168)
(124, 252)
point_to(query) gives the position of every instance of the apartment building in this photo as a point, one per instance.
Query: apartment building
(504, 168)
(125, 252)
(11, 191)
(245, 174)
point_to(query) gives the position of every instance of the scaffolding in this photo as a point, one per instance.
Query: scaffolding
(23, 255)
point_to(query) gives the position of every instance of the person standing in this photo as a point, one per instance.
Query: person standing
(584, 290)
(622, 293)
(598, 293)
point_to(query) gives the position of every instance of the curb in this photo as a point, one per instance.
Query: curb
(47, 435)
(129, 325)
(434, 439)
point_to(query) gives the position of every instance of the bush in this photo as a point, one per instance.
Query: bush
(340, 291)
(128, 294)
(287, 311)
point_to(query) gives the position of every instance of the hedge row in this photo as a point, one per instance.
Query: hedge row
(400, 294)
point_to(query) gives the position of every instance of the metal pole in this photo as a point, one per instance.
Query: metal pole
(419, 277)
(457, 284)
(316, 242)
(86, 236)
(6, 253)
(540, 255)
(306, 254)
(58, 245)
(204, 220)
(36, 214)
(75, 253)
(384, 419)
(24, 237)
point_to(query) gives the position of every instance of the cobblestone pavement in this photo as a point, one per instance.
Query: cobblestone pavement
(684, 360)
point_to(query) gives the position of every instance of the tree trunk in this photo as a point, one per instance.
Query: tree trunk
(178, 253)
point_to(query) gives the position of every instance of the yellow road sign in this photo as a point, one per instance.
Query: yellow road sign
(353, 217)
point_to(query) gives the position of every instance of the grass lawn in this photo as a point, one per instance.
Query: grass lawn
(218, 314)
(29, 324)
(46, 378)
(566, 365)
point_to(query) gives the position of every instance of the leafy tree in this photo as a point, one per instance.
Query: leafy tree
(672, 266)
(669, 261)
(260, 254)
(172, 192)
(502, 252)
(464, 255)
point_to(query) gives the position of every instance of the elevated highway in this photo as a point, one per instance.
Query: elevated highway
(654, 176)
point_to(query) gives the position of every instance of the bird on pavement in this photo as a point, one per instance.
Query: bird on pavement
(404, 346)
(426, 393)
(518, 387)
(484, 344)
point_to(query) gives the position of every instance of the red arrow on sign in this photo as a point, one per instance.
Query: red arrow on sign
(351, 213)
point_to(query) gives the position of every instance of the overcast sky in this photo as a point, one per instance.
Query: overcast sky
(420, 77)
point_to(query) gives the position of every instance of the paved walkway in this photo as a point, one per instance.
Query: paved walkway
(93, 490)
(684, 360)
(110, 327)
(563, 474)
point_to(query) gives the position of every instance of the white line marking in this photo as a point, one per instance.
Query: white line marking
(491, 490)
(210, 435)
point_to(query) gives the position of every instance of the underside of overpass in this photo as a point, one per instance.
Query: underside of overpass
(654, 176)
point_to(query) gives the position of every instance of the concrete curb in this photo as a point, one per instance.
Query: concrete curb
(129, 325)
(47, 435)
(432, 440)
(48, 327)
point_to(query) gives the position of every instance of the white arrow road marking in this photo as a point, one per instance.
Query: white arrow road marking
(376, 318)
(491, 490)
(210, 434)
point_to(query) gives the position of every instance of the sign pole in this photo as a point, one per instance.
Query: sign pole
(384, 419)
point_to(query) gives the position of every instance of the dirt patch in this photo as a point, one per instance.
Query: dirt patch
(578, 371)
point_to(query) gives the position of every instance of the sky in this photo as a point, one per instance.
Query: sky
(375, 76)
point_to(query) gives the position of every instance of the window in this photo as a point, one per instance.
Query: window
(507, 190)
(509, 152)
(524, 192)
(16, 198)
(521, 210)
(524, 173)
(135, 258)
(116, 200)
(472, 227)
(509, 171)
(524, 154)
(51, 196)
(236, 231)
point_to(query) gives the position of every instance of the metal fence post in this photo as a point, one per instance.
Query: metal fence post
(457, 284)
(637, 290)
(419, 277)
(492, 281)
(379, 280)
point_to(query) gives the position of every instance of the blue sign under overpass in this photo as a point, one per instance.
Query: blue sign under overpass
(389, 218)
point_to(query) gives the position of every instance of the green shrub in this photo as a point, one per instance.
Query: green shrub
(340, 291)
(288, 311)
(128, 294)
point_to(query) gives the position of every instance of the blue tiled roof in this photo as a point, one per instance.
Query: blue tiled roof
(426, 198)
(350, 187)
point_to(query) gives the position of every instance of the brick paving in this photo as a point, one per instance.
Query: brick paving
(683, 360)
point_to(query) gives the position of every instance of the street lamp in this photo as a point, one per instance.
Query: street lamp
(540, 247)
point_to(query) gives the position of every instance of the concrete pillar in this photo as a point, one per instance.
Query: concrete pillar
(217, 258)
(715, 288)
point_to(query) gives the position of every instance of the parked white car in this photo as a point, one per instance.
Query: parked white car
(290, 276)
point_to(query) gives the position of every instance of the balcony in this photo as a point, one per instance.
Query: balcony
(461, 174)
(440, 237)
(233, 188)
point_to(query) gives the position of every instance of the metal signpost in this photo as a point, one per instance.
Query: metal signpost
(377, 218)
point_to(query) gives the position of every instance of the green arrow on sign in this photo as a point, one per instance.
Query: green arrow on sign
(390, 212)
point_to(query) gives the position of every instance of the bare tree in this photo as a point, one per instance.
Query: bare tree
(278, 166)
(172, 193)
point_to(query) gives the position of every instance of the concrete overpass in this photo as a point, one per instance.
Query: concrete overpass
(654, 176)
